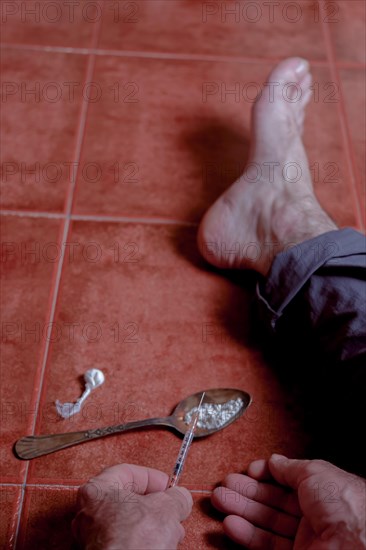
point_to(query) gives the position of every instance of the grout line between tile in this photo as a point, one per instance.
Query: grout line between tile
(31, 214)
(68, 205)
(74, 487)
(53, 486)
(54, 295)
(38, 485)
(46, 49)
(98, 218)
(37, 393)
(350, 65)
(132, 219)
(15, 519)
(346, 137)
(169, 56)
(19, 512)
(40, 371)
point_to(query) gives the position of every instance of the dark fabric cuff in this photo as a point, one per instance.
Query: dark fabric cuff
(291, 269)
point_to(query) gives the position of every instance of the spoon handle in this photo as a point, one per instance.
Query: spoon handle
(32, 446)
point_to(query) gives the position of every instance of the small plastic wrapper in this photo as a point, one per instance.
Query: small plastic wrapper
(93, 379)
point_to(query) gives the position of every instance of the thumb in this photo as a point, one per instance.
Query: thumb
(181, 502)
(288, 471)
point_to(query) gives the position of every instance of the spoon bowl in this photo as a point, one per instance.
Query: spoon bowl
(38, 445)
(216, 397)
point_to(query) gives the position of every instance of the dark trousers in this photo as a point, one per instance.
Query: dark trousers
(314, 305)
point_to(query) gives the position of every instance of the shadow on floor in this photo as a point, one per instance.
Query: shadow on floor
(216, 539)
(220, 154)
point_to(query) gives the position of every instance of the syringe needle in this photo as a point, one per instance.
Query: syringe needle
(183, 451)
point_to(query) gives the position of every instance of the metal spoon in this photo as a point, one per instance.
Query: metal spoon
(38, 445)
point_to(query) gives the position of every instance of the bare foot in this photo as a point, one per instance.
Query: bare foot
(272, 206)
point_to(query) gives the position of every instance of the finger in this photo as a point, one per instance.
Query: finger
(263, 516)
(305, 84)
(243, 532)
(258, 469)
(181, 533)
(75, 527)
(181, 502)
(292, 472)
(266, 493)
(131, 478)
(81, 525)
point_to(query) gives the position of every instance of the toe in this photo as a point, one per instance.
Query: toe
(292, 69)
(306, 82)
(289, 81)
(306, 92)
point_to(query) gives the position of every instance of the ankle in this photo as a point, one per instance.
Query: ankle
(295, 222)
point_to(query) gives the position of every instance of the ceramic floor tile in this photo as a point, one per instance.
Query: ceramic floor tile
(40, 112)
(164, 138)
(45, 23)
(184, 139)
(347, 23)
(204, 527)
(354, 87)
(10, 498)
(46, 519)
(25, 287)
(190, 27)
(163, 149)
(325, 147)
(48, 512)
(161, 326)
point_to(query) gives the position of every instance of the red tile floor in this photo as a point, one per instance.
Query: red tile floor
(113, 152)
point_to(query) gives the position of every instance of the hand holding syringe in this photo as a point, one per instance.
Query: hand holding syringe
(182, 455)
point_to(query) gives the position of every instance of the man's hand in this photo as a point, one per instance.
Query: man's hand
(128, 506)
(285, 504)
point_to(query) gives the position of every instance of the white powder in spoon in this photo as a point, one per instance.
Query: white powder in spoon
(215, 415)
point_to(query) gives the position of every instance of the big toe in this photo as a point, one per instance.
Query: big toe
(292, 69)
(289, 82)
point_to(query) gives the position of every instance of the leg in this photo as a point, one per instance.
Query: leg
(315, 292)
(313, 302)
(263, 208)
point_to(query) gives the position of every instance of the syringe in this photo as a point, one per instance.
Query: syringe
(187, 440)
